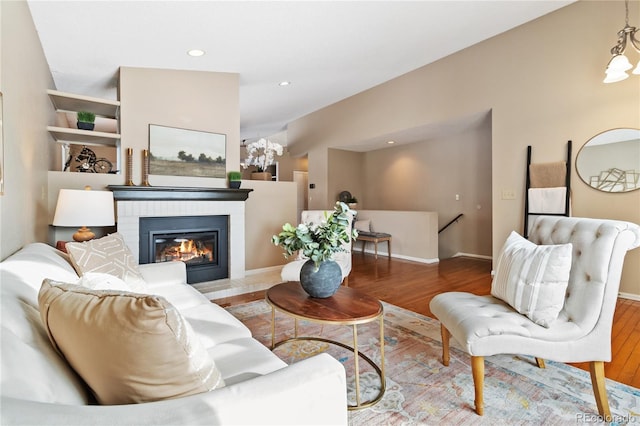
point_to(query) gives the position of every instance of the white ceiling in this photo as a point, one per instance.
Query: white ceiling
(328, 50)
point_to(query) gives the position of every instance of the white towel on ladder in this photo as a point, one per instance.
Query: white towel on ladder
(547, 200)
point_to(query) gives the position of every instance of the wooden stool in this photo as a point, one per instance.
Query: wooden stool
(375, 238)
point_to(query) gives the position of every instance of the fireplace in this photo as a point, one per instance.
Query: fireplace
(201, 242)
(136, 202)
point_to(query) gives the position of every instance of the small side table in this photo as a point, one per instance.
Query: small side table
(346, 307)
(375, 238)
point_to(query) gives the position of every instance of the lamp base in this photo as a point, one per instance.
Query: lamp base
(83, 234)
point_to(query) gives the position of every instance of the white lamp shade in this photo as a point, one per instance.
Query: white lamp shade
(82, 207)
(615, 76)
(637, 70)
(619, 63)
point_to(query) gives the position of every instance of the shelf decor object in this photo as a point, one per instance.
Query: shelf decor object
(145, 168)
(261, 154)
(84, 207)
(129, 177)
(86, 120)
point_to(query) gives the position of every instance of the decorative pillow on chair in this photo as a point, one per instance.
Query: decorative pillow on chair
(128, 347)
(533, 279)
(108, 255)
(363, 225)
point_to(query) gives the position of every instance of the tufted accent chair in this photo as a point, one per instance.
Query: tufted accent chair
(485, 325)
(291, 271)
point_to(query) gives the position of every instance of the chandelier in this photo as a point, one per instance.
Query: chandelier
(619, 64)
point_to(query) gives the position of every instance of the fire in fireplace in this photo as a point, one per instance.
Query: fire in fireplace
(201, 242)
(193, 249)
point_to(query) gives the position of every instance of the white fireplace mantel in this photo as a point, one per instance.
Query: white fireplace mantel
(132, 203)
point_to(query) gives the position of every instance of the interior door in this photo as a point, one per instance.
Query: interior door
(302, 183)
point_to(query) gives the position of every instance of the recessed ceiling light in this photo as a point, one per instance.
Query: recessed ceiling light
(195, 52)
(391, 142)
(284, 83)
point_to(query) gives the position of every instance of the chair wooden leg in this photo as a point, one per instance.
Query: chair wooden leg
(346, 281)
(540, 362)
(445, 344)
(477, 370)
(599, 389)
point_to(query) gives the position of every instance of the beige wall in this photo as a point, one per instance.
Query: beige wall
(543, 84)
(346, 173)
(288, 164)
(427, 176)
(195, 100)
(414, 234)
(270, 205)
(25, 77)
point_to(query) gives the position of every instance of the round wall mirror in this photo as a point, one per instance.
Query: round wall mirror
(610, 161)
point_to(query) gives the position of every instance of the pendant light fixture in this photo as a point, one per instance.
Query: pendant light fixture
(619, 63)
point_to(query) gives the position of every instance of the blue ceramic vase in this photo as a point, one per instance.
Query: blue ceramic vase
(324, 281)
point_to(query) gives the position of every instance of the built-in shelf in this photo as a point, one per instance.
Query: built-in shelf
(67, 102)
(106, 110)
(83, 137)
(73, 103)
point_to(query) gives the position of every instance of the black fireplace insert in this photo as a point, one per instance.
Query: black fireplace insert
(201, 242)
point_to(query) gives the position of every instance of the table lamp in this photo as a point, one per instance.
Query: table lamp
(84, 207)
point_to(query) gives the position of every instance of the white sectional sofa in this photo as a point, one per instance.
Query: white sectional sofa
(40, 388)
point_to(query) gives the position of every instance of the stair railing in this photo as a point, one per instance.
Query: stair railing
(451, 223)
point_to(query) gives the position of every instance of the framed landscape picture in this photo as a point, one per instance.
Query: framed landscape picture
(183, 152)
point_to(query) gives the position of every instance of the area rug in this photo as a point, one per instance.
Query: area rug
(421, 391)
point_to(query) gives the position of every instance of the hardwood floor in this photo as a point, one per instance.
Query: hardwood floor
(411, 285)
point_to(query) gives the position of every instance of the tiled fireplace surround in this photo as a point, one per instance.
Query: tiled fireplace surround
(132, 203)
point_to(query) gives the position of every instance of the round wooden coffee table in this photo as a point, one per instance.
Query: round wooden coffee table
(346, 307)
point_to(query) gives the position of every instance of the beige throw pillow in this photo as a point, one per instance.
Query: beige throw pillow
(127, 347)
(533, 279)
(108, 255)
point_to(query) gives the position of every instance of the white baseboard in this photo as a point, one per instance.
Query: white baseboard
(477, 256)
(414, 259)
(383, 254)
(629, 296)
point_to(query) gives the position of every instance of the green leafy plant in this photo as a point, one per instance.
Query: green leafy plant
(234, 176)
(318, 241)
(86, 117)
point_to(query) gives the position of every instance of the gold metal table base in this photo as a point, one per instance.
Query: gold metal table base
(356, 355)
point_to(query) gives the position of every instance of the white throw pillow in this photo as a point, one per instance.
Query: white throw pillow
(363, 225)
(533, 279)
(102, 281)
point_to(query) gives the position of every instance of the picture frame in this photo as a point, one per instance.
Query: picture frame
(183, 152)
